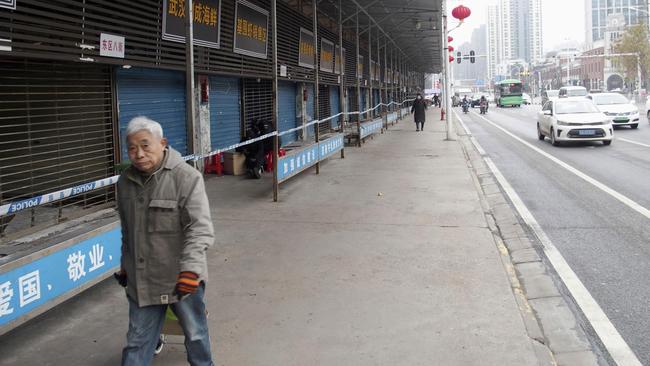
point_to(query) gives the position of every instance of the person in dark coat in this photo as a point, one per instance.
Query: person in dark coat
(418, 108)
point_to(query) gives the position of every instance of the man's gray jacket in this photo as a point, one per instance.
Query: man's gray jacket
(166, 228)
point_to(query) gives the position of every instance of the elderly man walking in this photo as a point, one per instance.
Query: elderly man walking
(166, 230)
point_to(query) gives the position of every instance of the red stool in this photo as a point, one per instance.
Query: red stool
(213, 165)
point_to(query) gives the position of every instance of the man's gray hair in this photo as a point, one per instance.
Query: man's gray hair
(143, 123)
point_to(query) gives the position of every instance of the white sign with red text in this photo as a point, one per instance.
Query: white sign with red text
(111, 45)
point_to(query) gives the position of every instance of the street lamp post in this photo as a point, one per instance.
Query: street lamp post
(461, 13)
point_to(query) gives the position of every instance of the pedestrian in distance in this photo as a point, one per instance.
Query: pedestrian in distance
(436, 100)
(418, 108)
(166, 231)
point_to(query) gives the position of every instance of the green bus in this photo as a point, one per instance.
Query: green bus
(508, 93)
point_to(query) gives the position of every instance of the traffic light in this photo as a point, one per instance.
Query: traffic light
(459, 56)
(472, 58)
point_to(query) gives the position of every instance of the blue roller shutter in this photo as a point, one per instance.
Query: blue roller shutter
(156, 94)
(287, 111)
(364, 104)
(225, 118)
(334, 105)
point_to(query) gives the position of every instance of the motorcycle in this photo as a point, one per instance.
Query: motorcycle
(483, 107)
(255, 153)
(465, 107)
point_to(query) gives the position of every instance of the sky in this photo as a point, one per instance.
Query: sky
(561, 20)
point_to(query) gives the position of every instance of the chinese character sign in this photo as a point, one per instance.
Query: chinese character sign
(43, 279)
(306, 51)
(206, 21)
(251, 30)
(111, 45)
(326, 55)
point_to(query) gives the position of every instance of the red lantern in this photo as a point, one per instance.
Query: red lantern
(461, 12)
(449, 39)
(451, 58)
(450, 48)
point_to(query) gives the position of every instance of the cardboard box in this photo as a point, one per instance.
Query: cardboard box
(233, 163)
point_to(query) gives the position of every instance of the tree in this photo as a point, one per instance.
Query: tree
(635, 40)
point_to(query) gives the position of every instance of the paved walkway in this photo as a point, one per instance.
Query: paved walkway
(385, 258)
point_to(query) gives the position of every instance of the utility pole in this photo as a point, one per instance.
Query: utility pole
(446, 73)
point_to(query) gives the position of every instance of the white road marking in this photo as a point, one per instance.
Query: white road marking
(632, 142)
(618, 349)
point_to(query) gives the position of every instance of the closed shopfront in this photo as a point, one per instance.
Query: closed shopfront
(156, 94)
(324, 108)
(335, 105)
(225, 116)
(56, 132)
(258, 102)
(287, 111)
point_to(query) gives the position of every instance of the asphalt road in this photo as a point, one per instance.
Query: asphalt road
(606, 243)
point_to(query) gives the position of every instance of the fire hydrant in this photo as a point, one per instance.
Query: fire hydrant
(442, 114)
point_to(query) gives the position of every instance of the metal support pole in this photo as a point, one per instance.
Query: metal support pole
(391, 81)
(378, 74)
(385, 84)
(445, 65)
(276, 138)
(316, 67)
(370, 73)
(342, 106)
(189, 78)
(356, 74)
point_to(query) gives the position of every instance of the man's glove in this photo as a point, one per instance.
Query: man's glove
(120, 277)
(187, 284)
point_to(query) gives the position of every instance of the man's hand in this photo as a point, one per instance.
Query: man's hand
(187, 284)
(120, 277)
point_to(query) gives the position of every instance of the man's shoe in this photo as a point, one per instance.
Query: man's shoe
(417, 130)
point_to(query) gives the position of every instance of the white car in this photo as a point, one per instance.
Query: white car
(572, 119)
(526, 99)
(572, 92)
(615, 106)
(647, 108)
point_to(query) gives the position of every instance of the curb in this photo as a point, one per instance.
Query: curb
(556, 332)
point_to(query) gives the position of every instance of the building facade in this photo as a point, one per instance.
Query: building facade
(597, 11)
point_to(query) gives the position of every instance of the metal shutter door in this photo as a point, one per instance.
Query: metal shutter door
(225, 120)
(56, 132)
(334, 105)
(324, 109)
(156, 94)
(258, 101)
(287, 111)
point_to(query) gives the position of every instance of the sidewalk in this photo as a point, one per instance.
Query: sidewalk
(385, 258)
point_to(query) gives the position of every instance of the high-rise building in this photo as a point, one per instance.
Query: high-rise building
(514, 32)
(535, 51)
(494, 47)
(597, 11)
